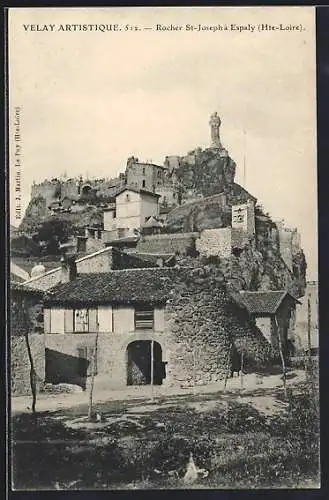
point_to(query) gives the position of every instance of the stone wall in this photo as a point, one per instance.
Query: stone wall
(201, 323)
(215, 242)
(97, 263)
(94, 245)
(26, 314)
(26, 317)
(100, 262)
(20, 364)
(62, 353)
(181, 243)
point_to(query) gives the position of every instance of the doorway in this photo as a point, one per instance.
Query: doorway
(139, 363)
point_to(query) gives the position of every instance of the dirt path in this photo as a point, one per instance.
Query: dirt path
(252, 391)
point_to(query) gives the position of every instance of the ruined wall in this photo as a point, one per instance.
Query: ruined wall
(181, 243)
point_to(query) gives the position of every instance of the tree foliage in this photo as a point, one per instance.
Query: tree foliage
(51, 233)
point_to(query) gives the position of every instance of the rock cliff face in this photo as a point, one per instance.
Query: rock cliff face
(208, 213)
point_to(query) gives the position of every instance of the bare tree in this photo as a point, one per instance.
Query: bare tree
(283, 362)
(228, 360)
(25, 311)
(93, 373)
(243, 345)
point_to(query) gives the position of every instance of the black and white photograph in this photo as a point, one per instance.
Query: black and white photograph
(163, 322)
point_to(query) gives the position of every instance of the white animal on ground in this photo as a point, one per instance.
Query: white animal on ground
(193, 472)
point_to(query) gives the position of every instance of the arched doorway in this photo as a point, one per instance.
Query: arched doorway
(139, 363)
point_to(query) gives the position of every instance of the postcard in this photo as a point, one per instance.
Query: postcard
(163, 248)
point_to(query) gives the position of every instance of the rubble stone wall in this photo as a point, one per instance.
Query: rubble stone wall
(215, 242)
(20, 363)
(181, 243)
(201, 322)
(94, 245)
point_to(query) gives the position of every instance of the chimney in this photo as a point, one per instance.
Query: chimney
(69, 269)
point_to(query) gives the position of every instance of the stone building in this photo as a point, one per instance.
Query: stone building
(146, 176)
(133, 206)
(182, 319)
(274, 314)
(26, 323)
(101, 261)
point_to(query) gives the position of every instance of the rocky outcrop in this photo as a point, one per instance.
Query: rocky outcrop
(208, 213)
(206, 172)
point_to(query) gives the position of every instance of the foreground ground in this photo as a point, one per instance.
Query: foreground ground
(252, 438)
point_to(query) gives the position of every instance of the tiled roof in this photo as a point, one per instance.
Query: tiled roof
(263, 302)
(125, 286)
(19, 287)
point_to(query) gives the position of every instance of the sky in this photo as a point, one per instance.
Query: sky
(90, 99)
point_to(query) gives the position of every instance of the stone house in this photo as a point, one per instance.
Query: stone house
(146, 176)
(26, 319)
(101, 261)
(274, 314)
(183, 319)
(133, 206)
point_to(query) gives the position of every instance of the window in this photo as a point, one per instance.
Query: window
(81, 323)
(80, 320)
(127, 197)
(143, 170)
(143, 183)
(144, 318)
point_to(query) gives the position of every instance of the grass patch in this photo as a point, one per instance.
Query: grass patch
(238, 446)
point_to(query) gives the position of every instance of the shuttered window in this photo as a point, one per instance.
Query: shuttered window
(68, 321)
(46, 319)
(80, 320)
(92, 320)
(144, 318)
